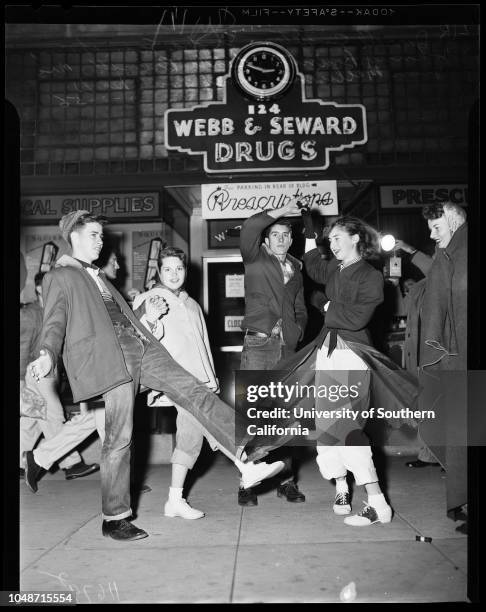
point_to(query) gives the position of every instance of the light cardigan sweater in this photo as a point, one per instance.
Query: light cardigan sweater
(182, 331)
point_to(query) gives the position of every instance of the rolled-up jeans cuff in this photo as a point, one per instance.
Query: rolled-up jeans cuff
(117, 517)
(182, 458)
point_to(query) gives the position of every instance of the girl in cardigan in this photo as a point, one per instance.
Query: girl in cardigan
(182, 331)
(355, 289)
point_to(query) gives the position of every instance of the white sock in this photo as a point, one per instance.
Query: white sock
(342, 486)
(377, 500)
(175, 493)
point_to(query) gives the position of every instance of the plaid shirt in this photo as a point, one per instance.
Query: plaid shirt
(350, 263)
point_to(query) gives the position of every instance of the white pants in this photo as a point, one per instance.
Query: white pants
(335, 461)
(31, 429)
(71, 434)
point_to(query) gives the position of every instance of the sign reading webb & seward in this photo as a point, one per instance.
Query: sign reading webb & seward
(265, 122)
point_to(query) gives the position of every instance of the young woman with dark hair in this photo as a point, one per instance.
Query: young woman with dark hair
(182, 331)
(343, 353)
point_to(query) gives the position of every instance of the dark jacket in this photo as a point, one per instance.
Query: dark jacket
(437, 317)
(414, 299)
(354, 293)
(267, 297)
(76, 323)
(439, 323)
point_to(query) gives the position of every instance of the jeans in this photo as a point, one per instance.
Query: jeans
(189, 441)
(264, 354)
(150, 364)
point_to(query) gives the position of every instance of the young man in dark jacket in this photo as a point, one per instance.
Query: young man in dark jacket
(107, 351)
(436, 337)
(275, 312)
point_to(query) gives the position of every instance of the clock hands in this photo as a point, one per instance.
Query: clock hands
(263, 70)
(260, 69)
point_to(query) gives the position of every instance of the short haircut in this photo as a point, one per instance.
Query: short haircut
(437, 210)
(171, 251)
(284, 222)
(84, 220)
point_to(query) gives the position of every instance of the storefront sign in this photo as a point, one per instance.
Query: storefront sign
(242, 200)
(119, 206)
(233, 323)
(224, 233)
(268, 125)
(413, 196)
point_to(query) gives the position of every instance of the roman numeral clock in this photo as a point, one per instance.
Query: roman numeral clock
(263, 71)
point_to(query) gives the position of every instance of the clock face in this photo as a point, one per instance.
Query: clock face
(263, 71)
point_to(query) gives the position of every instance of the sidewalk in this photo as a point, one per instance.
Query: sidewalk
(275, 552)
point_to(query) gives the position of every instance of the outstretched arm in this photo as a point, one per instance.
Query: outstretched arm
(419, 259)
(317, 268)
(150, 316)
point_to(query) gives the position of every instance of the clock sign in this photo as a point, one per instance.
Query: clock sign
(263, 71)
(263, 120)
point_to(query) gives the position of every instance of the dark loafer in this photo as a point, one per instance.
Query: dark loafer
(122, 530)
(80, 469)
(247, 497)
(291, 492)
(418, 463)
(32, 471)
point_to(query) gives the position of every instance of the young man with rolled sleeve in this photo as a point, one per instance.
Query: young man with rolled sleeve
(275, 311)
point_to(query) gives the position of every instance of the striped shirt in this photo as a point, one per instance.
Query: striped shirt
(116, 315)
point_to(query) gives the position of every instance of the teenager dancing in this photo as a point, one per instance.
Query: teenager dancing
(354, 289)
